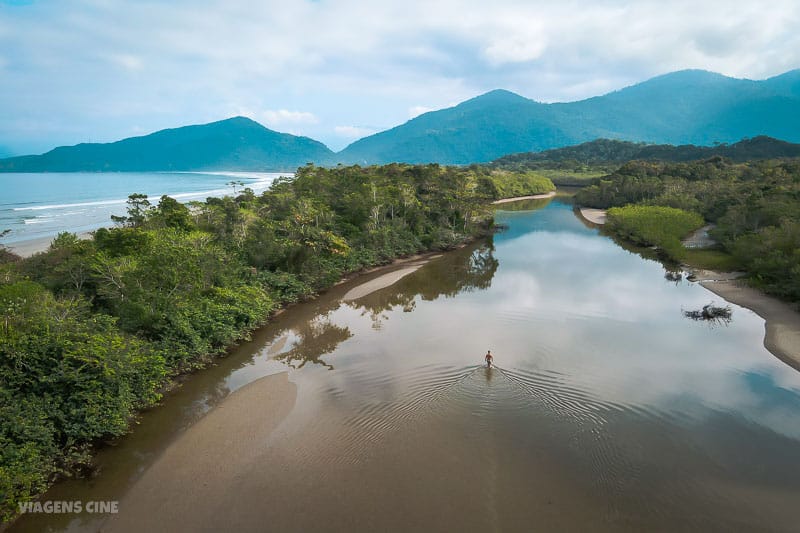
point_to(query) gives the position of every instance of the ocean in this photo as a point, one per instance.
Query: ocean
(40, 205)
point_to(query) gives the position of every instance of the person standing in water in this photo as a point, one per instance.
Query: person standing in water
(489, 359)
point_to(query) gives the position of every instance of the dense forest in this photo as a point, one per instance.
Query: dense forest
(94, 330)
(755, 207)
(576, 166)
(609, 154)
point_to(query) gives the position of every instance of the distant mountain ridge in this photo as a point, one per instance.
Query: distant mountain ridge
(691, 107)
(685, 107)
(233, 144)
(608, 151)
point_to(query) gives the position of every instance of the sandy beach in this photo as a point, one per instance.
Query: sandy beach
(34, 246)
(28, 248)
(595, 216)
(518, 198)
(781, 322)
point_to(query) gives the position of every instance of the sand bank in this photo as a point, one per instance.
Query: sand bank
(781, 321)
(595, 216)
(381, 282)
(178, 492)
(412, 471)
(518, 198)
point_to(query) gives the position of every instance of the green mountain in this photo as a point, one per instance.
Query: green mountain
(690, 107)
(234, 144)
(604, 151)
(686, 107)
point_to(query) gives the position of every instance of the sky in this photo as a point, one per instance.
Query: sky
(102, 70)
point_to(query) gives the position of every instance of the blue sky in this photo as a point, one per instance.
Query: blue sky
(101, 70)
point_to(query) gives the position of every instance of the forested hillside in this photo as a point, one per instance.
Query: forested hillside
(237, 143)
(608, 153)
(685, 107)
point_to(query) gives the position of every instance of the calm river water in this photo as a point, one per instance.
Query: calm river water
(609, 410)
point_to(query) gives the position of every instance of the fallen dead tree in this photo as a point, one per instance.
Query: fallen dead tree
(711, 313)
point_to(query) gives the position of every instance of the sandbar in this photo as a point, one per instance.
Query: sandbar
(202, 467)
(532, 197)
(380, 282)
(595, 216)
(781, 321)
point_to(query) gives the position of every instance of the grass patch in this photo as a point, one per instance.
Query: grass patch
(710, 259)
(572, 178)
(511, 185)
(664, 227)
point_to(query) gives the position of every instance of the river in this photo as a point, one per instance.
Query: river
(608, 409)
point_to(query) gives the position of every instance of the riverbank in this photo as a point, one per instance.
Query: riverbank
(387, 274)
(550, 194)
(203, 464)
(383, 281)
(595, 216)
(781, 321)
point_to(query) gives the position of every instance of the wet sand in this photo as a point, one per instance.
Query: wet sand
(518, 198)
(202, 469)
(403, 470)
(381, 282)
(781, 321)
(595, 216)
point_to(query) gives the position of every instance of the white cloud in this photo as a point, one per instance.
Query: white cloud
(360, 62)
(514, 50)
(127, 61)
(282, 117)
(353, 132)
(418, 110)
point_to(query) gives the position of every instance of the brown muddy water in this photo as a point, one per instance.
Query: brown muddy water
(609, 410)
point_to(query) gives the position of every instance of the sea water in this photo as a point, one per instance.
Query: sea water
(40, 205)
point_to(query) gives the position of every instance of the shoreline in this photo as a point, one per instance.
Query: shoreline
(544, 196)
(32, 247)
(381, 282)
(781, 321)
(194, 460)
(414, 262)
(593, 215)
